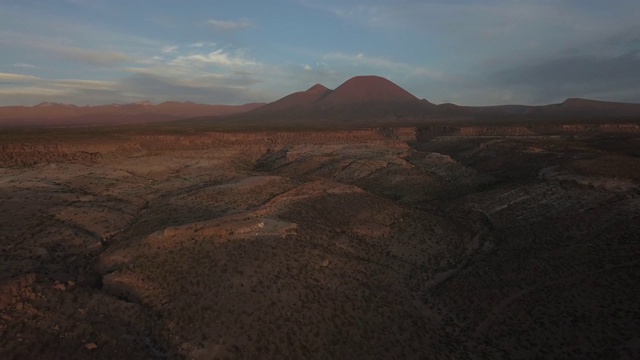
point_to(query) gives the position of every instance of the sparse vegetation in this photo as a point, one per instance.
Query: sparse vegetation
(328, 244)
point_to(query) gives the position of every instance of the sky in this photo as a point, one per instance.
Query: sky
(480, 52)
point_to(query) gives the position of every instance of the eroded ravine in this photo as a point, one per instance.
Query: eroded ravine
(329, 244)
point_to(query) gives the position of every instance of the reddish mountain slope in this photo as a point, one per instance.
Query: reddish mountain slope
(357, 90)
(299, 99)
(367, 89)
(363, 100)
(366, 101)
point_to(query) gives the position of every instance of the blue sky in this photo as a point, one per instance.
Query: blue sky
(233, 52)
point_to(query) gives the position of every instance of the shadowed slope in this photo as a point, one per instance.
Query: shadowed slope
(297, 100)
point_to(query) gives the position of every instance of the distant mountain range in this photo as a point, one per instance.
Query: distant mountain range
(357, 90)
(360, 101)
(55, 114)
(376, 101)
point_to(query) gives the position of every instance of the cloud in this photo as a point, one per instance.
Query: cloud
(282, 79)
(212, 89)
(505, 51)
(358, 12)
(139, 68)
(493, 30)
(198, 79)
(81, 84)
(169, 49)
(43, 39)
(231, 25)
(218, 57)
(93, 57)
(153, 60)
(558, 78)
(9, 78)
(31, 90)
(201, 44)
(627, 36)
(143, 84)
(361, 59)
(24, 65)
(87, 56)
(28, 95)
(219, 76)
(367, 12)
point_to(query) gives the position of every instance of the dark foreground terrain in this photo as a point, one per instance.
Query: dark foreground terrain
(442, 243)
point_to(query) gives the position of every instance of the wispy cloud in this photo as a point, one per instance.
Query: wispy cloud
(464, 51)
(155, 84)
(24, 65)
(86, 56)
(367, 14)
(384, 64)
(168, 67)
(218, 57)
(209, 88)
(81, 84)
(94, 57)
(30, 90)
(497, 29)
(15, 78)
(29, 95)
(169, 49)
(201, 44)
(231, 25)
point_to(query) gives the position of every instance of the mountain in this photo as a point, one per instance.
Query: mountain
(362, 89)
(297, 100)
(570, 110)
(599, 107)
(370, 99)
(55, 114)
(362, 101)
(355, 91)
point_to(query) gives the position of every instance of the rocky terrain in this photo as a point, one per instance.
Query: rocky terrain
(372, 243)
(294, 231)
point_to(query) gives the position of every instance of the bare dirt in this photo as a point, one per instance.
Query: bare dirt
(443, 243)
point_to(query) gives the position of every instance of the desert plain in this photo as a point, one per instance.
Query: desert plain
(405, 238)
